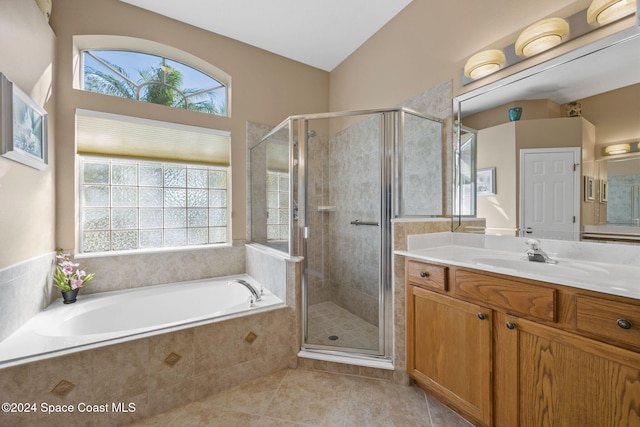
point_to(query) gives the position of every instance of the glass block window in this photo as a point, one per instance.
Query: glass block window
(151, 78)
(130, 204)
(277, 206)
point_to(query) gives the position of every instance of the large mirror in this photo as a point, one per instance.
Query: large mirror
(549, 174)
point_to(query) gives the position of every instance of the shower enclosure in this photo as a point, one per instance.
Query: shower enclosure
(326, 187)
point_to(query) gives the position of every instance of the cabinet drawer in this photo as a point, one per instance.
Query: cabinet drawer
(513, 297)
(615, 321)
(427, 275)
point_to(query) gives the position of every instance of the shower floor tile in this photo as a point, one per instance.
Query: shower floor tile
(327, 319)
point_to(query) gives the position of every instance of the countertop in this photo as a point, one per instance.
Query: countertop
(605, 277)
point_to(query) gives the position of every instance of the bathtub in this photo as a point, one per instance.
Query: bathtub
(105, 318)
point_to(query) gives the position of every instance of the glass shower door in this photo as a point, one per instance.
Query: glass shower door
(344, 226)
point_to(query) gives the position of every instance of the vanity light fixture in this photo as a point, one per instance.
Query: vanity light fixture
(617, 149)
(541, 36)
(604, 11)
(484, 63)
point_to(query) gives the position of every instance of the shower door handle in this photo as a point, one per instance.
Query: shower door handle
(358, 222)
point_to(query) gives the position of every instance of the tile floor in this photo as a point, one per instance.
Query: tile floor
(327, 319)
(300, 397)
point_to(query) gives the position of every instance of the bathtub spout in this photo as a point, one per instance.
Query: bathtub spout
(257, 296)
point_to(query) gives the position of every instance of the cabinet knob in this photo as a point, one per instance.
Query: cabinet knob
(624, 323)
(424, 274)
(511, 325)
(482, 316)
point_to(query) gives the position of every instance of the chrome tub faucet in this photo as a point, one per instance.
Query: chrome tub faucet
(255, 295)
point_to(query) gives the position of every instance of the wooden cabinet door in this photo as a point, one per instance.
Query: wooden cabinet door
(567, 380)
(449, 351)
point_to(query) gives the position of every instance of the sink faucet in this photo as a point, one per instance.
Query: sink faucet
(536, 254)
(255, 295)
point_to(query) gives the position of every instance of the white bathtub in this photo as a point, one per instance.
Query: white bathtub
(106, 318)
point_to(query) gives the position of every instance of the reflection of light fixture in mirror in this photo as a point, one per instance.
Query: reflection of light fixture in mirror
(605, 11)
(617, 149)
(541, 36)
(484, 63)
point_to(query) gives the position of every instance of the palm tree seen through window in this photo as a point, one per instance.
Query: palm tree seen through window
(155, 79)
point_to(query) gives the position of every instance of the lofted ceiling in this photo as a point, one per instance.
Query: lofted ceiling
(319, 33)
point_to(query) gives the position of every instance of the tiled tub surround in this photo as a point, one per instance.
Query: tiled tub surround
(26, 290)
(162, 371)
(276, 271)
(27, 287)
(110, 317)
(610, 269)
(133, 270)
(155, 373)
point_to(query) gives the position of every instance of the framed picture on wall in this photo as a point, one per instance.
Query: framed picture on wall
(604, 191)
(486, 181)
(589, 190)
(23, 126)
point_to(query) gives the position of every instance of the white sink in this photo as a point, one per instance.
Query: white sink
(608, 276)
(562, 268)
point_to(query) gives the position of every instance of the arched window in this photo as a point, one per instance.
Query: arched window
(152, 78)
(146, 184)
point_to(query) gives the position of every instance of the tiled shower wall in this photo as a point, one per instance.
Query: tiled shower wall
(422, 167)
(353, 178)
(318, 214)
(353, 157)
(621, 198)
(437, 102)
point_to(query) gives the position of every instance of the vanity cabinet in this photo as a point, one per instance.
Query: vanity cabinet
(449, 350)
(564, 379)
(507, 351)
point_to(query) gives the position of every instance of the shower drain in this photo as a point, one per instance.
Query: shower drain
(333, 337)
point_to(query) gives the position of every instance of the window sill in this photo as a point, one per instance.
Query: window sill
(88, 255)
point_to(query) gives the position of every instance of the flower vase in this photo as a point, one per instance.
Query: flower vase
(515, 113)
(69, 297)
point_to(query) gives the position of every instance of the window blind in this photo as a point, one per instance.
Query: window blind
(124, 136)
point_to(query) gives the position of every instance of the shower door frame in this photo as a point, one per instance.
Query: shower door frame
(388, 140)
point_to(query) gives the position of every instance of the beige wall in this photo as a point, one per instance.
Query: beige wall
(266, 88)
(497, 148)
(27, 211)
(614, 114)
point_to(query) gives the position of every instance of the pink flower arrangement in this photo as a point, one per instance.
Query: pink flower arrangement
(68, 276)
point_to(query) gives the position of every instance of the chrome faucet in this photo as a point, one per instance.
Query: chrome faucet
(255, 295)
(536, 254)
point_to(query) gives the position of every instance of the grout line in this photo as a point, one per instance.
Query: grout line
(426, 401)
